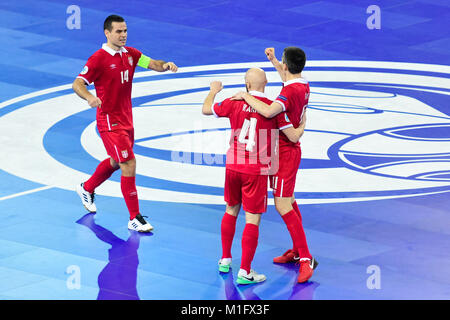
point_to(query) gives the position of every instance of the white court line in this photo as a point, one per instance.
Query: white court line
(25, 192)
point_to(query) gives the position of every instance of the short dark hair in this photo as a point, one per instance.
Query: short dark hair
(294, 58)
(110, 19)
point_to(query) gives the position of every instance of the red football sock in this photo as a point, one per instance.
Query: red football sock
(227, 228)
(102, 173)
(295, 227)
(128, 186)
(249, 244)
(297, 211)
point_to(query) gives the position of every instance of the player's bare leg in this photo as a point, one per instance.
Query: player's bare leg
(246, 275)
(114, 164)
(233, 210)
(128, 168)
(128, 186)
(283, 205)
(86, 190)
(227, 230)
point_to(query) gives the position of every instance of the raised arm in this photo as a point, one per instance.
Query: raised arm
(270, 53)
(79, 86)
(214, 88)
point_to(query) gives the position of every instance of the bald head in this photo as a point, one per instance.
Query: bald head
(255, 79)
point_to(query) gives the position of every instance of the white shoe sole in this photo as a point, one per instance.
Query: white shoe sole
(141, 231)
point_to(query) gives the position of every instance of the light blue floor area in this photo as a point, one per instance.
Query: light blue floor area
(36, 258)
(45, 233)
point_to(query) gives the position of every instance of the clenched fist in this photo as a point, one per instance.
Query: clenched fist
(270, 53)
(94, 102)
(170, 66)
(216, 86)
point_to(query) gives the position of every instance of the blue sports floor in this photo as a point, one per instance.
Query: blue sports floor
(373, 186)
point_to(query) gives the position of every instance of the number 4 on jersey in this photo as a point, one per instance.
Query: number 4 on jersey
(250, 128)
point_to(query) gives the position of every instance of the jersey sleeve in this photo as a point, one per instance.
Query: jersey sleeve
(283, 98)
(222, 109)
(283, 121)
(91, 71)
(136, 54)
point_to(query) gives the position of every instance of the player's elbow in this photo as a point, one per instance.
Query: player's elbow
(206, 110)
(77, 83)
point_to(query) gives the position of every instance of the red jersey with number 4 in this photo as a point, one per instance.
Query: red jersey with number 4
(254, 138)
(112, 74)
(294, 99)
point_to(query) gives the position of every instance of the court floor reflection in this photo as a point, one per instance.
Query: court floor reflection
(117, 281)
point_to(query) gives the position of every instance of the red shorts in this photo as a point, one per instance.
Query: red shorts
(248, 189)
(283, 183)
(119, 144)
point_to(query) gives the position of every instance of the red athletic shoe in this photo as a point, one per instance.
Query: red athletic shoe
(306, 269)
(287, 257)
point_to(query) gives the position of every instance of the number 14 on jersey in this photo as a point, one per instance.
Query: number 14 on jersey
(124, 76)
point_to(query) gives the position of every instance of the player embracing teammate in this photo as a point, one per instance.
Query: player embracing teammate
(252, 156)
(293, 100)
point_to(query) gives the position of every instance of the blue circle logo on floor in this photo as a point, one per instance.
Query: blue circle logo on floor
(375, 130)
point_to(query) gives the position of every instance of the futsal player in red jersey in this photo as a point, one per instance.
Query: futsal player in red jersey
(111, 69)
(293, 100)
(251, 157)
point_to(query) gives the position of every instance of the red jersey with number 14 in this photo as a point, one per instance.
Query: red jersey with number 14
(112, 74)
(294, 99)
(253, 137)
